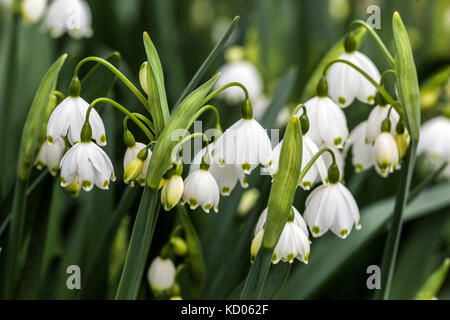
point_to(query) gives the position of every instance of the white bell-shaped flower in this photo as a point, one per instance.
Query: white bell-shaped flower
(68, 118)
(130, 154)
(226, 176)
(90, 164)
(434, 140)
(293, 242)
(386, 154)
(376, 117)
(328, 124)
(201, 189)
(345, 83)
(315, 174)
(172, 191)
(33, 10)
(71, 16)
(161, 275)
(362, 152)
(240, 71)
(331, 206)
(50, 156)
(245, 144)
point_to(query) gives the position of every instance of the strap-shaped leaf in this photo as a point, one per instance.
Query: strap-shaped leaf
(157, 93)
(196, 264)
(407, 83)
(161, 156)
(35, 119)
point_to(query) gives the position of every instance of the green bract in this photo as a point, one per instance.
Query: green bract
(181, 118)
(408, 87)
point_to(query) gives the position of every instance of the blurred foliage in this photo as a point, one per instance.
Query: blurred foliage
(279, 37)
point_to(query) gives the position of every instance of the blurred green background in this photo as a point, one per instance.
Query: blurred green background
(279, 36)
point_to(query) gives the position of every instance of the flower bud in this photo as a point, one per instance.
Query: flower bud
(402, 141)
(172, 191)
(256, 244)
(133, 169)
(161, 275)
(179, 246)
(386, 153)
(143, 77)
(248, 201)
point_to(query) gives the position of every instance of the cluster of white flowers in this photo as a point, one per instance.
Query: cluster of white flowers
(59, 16)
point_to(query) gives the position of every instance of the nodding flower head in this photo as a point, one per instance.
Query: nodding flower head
(328, 124)
(245, 144)
(345, 83)
(33, 10)
(172, 191)
(376, 117)
(201, 189)
(59, 18)
(161, 275)
(50, 155)
(331, 206)
(362, 152)
(89, 163)
(134, 167)
(386, 154)
(68, 119)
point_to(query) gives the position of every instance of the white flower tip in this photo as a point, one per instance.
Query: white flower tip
(87, 185)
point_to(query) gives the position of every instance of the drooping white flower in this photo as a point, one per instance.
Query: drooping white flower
(161, 275)
(386, 154)
(130, 154)
(226, 176)
(328, 124)
(201, 189)
(434, 140)
(376, 117)
(71, 16)
(33, 10)
(331, 206)
(50, 156)
(362, 152)
(345, 83)
(90, 164)
(240, 71)
(172, 191)
(316, 173)
(293, 242)
(68, 118)
(245, 144)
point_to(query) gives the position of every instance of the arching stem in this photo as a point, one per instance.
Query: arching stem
(313, 160)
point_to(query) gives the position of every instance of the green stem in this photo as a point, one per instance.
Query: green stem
(430, 178)
(59, 94)
(379, 87)
(124, 111)
(377, 39)
(140, 117)
(229, 85)
(204, 109)
(36, 182)
(177, 147)
(386, 73)
(118, 74)
(313, 160)
(5, 224)
(393, 239)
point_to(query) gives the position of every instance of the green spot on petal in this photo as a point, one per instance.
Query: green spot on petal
(344, 232)
(306, 184)
(359, 167)
(290, 257)
(86, 184)
(306, 257)
(316, 230)
(103, 139)
(50, 139)
(63, 181)
(341, 100)
(106, 184)
(246, 166)
(193, 202)
(370, 98)
(274, 257)
(338, 141)
(226, 190)
(208, 206)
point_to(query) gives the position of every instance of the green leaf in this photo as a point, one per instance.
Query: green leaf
(157, 93)
(407, 83)
(139, 246)
(434, 282)
(181, 118)
(99, 80)
(196, 264)
(310, 88)
(306, 280)
(205, 65)
(35, 119)
(281, 197)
